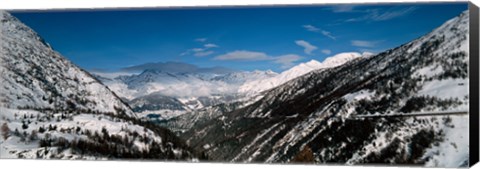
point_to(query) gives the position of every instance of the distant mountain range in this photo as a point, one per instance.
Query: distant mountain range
(197, 88)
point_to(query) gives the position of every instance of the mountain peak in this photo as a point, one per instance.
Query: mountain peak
(270, 72)
(313, 63)
(340, 59)
(367, 54)
(296, 71)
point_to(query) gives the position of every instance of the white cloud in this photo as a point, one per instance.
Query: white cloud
(201, 39)
(326, 51)
(312, 28)
(197, 52)
(394, 14)
(285, 61)
(377, 15)
(198, 49)
(185, 53)
(206, 53)
(210, 45)
(308, 48)
(364, 43)
(201, 51)
(328, 34)
(243, 55)
(343, 8)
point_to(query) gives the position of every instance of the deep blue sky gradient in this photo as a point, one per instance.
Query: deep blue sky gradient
(112, 39)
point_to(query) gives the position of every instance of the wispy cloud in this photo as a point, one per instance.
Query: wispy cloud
(210, 45)
(364, 43)
(326, 51)
(200, 52)
(307, 47)
(244, 55)
(287, 61)
(328, 34)
(201, 39)
(312, 28)
(198, 49)
(343, 8)
(378, 15)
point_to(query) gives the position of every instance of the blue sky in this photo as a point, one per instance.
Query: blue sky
(244, 38)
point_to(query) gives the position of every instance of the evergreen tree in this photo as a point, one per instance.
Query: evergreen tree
(24, 126)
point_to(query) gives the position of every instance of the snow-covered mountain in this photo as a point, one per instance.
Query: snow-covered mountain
(194, 90)
(197, 90)
(260, 85)
(239, 78)
(163, 94)
(311, 114)
(249, 92)
(50, 108)
(314, 118)
(181, 84)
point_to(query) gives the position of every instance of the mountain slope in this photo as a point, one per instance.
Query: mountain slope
(50, 108)
(249, 90)
(260, 85)
(180, 85)
(194, 90)
(239, 78)
(314, 114)
(33, 75)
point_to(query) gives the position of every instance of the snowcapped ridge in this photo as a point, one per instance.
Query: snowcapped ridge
(296, 71)
(181, 85)
(440, 58)
(55, 104)
(37, 76)
(342, 58)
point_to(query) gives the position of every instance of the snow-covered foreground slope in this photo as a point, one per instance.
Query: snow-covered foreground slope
(34, 75)
(314, 115)
(260, 85)
(50, 108)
